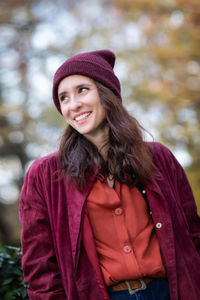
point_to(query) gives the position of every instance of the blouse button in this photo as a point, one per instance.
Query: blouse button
(118, 211)
(158, 225)
(143, 192)
(127, 249)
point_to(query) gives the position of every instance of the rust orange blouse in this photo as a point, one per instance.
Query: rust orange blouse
(124, 233)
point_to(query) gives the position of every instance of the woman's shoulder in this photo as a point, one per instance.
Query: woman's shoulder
(159, 149)
(163, 156)
(42, 164)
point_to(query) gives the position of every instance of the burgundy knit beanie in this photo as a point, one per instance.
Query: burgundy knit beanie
(97, 65)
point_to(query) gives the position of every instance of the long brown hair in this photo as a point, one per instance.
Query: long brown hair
(129, 159)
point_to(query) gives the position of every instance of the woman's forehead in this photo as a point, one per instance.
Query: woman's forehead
(74, 80)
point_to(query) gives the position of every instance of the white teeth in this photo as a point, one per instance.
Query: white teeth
(81, 117)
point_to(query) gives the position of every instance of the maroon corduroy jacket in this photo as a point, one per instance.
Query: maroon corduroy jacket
(59, 258)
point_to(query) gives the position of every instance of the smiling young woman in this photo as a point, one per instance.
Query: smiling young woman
(108, 216)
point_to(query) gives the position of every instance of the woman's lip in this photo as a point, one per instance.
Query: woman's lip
(80, 114)
(84, 118)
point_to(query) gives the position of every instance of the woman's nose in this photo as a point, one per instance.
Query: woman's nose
(74, 103)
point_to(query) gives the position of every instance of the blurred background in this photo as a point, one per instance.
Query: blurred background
(157, 44)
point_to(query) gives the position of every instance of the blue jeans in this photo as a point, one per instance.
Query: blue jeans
(157, 289)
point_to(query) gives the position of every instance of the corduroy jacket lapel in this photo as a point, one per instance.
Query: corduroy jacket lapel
(76, 204)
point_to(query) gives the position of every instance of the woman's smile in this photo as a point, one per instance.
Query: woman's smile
(82, 117)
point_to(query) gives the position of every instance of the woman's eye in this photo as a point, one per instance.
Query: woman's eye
(64, 98)
(83, 89)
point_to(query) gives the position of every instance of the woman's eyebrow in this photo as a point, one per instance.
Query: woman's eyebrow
(61, 94)
(76, 87)
(83, 84)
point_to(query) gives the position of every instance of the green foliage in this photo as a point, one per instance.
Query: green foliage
(12, 285)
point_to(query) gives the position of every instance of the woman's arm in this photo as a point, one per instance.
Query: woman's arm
(39, 262)
(188, 203)
(178, 179)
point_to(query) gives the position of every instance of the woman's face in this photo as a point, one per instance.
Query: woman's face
(81, 106)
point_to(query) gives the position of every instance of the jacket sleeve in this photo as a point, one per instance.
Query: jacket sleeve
(39, 262)
(182, 188)
(188, 203)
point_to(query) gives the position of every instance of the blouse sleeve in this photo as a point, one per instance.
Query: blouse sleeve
(39, 262)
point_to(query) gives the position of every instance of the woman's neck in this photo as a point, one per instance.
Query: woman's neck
(101, 140)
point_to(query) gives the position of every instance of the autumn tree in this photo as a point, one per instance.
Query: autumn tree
(157, 46)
